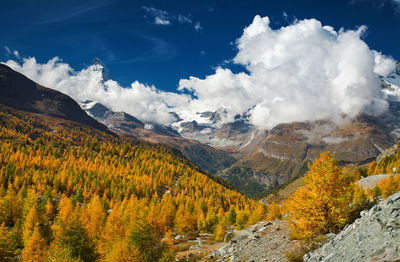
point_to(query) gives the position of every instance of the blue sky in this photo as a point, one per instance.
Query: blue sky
(161, 42)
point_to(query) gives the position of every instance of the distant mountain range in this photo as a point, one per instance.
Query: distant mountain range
(253, 160)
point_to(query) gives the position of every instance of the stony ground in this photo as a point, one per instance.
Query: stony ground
(195, 249)
(265, 241)
(373, 237)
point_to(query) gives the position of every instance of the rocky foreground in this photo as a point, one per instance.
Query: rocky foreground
(265, 241)
(373, 237)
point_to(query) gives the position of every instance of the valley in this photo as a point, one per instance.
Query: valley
(199, 131)
(254, 160)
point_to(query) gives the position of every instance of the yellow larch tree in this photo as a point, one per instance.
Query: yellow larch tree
(322, 204)
(5, 243)
(35, 248)
(93, 218)
(274, 212)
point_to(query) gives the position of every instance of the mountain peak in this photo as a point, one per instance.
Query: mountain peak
(21, 93)
(97, 61)
(99, 66)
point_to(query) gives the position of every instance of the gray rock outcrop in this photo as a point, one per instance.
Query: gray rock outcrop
(371, 181)
(373, 237)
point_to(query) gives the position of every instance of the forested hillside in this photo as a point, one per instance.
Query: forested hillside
(72, 193)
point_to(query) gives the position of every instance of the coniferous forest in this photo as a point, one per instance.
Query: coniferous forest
(71, 193)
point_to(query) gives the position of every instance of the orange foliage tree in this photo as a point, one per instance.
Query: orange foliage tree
(322, 204)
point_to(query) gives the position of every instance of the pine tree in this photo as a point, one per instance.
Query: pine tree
(242, 219)
(11, 208)
(231, 219)
(76, 239)
(257, 215)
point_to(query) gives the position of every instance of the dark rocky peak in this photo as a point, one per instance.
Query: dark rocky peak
(19, 92)
(97, 65)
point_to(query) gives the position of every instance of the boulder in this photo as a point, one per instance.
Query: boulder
(375, 236)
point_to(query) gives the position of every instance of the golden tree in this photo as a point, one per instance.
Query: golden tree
(32, 221)
(5, 244)
(220, 231)
(322, 205)
(121, 252)
(93, 218)
(274, 212)
(58, 253)
(34, 249)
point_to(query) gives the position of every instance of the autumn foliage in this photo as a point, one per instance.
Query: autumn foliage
(71, 193)
(322, 205)
(389, 164)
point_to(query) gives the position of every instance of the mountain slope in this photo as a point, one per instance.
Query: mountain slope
(21, 93)
(207, 157)
(275, 156)
(86, 191)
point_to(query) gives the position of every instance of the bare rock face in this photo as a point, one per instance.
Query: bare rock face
(373, 237)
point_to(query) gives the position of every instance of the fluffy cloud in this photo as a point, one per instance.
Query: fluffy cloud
(304, 71)
(145, 102)
(383, 64)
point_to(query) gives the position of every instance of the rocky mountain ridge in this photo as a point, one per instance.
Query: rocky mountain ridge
(19, 92)
(207, 157)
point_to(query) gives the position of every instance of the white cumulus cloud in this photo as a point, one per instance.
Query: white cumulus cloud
(304, 71)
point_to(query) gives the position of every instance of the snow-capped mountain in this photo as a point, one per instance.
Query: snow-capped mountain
(121, 121)
(98, 66)
(207, 157)
(257, 160)
(391, 84)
